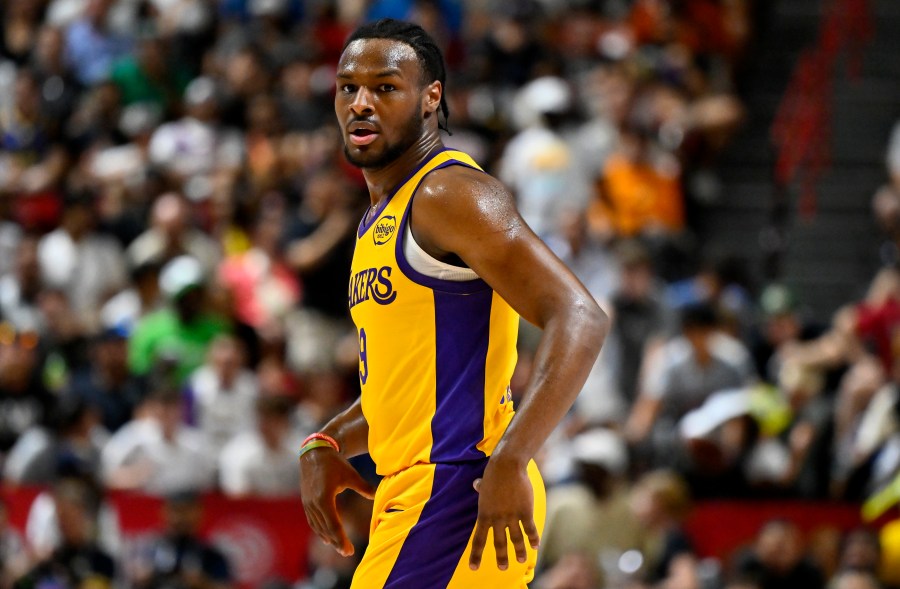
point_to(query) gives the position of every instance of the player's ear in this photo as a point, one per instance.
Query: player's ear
(432, 97)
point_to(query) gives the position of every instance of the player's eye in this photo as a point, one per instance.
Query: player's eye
(348, 88)
(386, 88)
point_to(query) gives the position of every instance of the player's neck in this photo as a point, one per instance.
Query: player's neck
(383, 181)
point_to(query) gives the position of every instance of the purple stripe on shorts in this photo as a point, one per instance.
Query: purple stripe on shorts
(432, 549)
(462, 331)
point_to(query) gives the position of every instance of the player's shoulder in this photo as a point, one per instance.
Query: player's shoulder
(461, 185)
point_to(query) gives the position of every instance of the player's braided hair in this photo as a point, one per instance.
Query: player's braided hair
(423, 44)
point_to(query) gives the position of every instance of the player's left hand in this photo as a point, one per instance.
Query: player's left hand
(505, 503)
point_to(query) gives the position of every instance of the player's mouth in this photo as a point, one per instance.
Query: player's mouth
(362, 133)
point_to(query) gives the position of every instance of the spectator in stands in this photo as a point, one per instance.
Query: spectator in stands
(77, 561)
(92, 46)
(328, 569)
(538, 165)
(854, 580)
(123, 311)
(21, 20)
(172, 234)
(181, 558)
(303, 109)
(682, 374)
(183, 330)
(87, 266)
(190, 150)
(33, 161)
(721, 281)
(776, 559)
(573, 571)
(14, 557)
(871, 322)
(861, 551)
(24, 401)
(149, 77)
(261, 143)
(509, 51)
(591, 260)
(262, 285)
(221, 395)
(852, 454)
(156, 452)
(20, 289)
(639, 192)
(782, 326)
(120, 173)
(808, 436)
(105, 384)
(718, 438)
(642, 318)
(590, 517)
(319, 247)
(69, 446)
(661, 501)
(49, 63)
(263, 461)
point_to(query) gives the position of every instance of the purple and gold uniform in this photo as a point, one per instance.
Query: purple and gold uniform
(435, 362)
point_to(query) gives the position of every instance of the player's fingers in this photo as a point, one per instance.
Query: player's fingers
(501, 548)
(315, 522)
(518, 542)
(335, 531)
(534, 538)
(361, 486)
(478, 540)
(323, 532)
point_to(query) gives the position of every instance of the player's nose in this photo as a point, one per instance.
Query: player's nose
(362, 102)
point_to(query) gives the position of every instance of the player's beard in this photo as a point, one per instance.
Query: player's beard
(412, 130)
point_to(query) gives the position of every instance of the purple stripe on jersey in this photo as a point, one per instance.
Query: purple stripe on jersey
(454, 286)
(462, 328)
(432, 549)
(368, 220)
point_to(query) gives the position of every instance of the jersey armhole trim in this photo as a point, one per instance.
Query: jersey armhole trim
(448, 286)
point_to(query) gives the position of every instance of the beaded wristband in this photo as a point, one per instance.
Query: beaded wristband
(312, 446)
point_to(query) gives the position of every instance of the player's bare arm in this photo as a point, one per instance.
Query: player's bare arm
(462, 213)
(325, 473)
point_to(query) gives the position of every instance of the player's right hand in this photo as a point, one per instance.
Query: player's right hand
(323, 474)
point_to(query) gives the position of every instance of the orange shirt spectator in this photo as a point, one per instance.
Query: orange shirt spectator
(638, 194)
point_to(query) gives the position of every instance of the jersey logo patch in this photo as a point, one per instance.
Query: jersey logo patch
(384, 229)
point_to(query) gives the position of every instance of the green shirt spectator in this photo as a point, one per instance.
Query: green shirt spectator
(147, 78)
(180, 333)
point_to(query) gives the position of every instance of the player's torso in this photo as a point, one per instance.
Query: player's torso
(435, 357)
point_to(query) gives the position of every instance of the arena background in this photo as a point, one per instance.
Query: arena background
(176, 221)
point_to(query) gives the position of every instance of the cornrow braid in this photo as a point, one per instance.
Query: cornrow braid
(423, 44)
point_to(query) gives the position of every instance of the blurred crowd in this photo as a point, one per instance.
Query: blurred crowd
(176, 226)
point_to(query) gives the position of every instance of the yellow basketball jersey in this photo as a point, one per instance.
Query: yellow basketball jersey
(435, 356)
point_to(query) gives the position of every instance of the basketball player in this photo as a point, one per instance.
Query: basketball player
(443, 267)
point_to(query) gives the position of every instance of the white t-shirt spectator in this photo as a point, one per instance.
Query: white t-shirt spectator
(167, 466)
(190, 147)
(220, 412)
(540, 169)
(88, 270)
(248, 467)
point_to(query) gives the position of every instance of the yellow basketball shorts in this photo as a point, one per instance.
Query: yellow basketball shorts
(423, 521)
